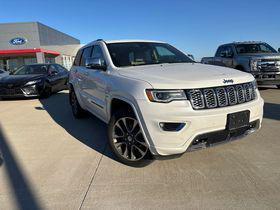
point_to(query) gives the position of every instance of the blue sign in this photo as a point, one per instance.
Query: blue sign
(18, 41)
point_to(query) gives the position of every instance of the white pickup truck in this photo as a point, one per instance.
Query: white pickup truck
(156, 100)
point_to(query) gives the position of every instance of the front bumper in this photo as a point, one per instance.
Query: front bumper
(197, 122)
(20, 92)
(222, 136)
(267, 78)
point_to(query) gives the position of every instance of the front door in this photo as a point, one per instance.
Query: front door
(82, 75)
(53, 78)
(62, 77)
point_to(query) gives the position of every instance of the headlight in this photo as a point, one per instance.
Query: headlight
(255, 85)
(33, 82)
(254, 65)
(165, 96)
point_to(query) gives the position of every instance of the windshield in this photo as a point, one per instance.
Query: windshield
(254, 48)
(145, 53)
(32, 69)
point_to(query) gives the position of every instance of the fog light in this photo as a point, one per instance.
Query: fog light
(167, 126)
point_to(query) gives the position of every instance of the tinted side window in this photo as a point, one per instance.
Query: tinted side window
(97, 53)
(86, 54)
(52, 68)
(224, 51)
(219, 51)
(78, 58)
(60, 68)
(228, 51)
(162, 51)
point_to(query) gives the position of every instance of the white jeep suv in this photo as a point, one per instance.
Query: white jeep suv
(158, 101)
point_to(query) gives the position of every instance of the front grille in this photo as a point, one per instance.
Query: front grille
(10, 91)
(269, 65)
(208, 98)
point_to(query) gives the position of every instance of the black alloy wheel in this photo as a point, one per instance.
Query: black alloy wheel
(127, 140)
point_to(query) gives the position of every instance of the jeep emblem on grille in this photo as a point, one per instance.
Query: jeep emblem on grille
(227, 81)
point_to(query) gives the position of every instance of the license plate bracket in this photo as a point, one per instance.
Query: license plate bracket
(238, 120)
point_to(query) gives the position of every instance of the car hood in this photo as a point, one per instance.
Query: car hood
(18, 80)
(3, 75)
(270, 56)
(185, 75)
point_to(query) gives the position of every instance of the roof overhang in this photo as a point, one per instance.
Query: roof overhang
(131, 40)
(22, 52)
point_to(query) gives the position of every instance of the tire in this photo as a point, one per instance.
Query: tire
(127, 140)
(47, 91)
(77, 110)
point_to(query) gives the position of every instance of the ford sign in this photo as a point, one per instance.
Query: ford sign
(18, 41)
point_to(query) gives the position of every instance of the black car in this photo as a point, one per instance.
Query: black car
(34, 80)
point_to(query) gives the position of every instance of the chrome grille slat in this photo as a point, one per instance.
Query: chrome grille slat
(208, 98)
(240, 94)
(196, 99)
(253, 93)
(232, 99)
(222, 97)
(247, 92)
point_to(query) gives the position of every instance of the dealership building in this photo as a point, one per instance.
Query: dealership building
(34, 42)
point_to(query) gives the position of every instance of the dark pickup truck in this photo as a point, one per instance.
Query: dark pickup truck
(257, 58)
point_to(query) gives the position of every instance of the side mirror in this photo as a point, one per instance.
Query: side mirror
(279, 50)
(95, 63)
(53, 73)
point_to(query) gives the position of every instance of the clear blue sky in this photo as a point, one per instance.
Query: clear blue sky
(194, 26)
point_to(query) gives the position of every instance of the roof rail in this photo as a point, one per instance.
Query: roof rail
(247, 41)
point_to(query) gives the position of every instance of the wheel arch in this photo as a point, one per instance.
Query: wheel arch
(117, 102)
(120, 103)
(71, 88)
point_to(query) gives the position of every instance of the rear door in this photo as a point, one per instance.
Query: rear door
(96, 85)
(81, 73)
(76, 71)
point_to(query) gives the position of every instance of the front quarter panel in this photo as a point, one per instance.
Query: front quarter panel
(132, 91)
(128, 89)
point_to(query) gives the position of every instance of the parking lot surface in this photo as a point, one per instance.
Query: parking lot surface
(49, 160)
